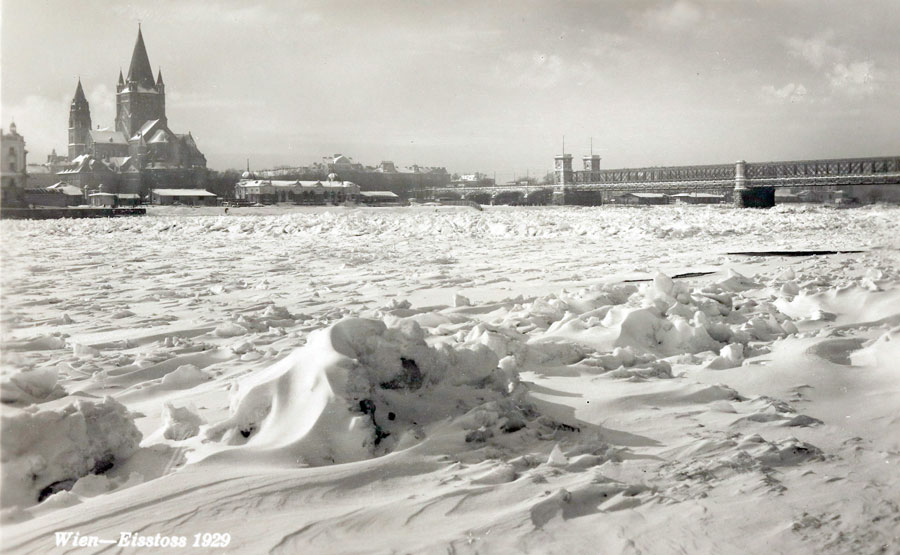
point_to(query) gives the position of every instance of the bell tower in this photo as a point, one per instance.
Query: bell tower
(140, 98)
(79, 123)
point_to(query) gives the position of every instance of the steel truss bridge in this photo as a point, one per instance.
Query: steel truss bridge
(708, 178)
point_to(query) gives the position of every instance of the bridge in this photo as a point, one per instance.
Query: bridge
(749, 184)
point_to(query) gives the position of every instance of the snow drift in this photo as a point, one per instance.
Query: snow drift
(44, 451)
(359, 389)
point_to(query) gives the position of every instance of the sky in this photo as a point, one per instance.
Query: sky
(490, 86)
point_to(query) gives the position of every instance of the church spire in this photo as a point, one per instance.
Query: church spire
(121, 80)
(140, 71)
(79, 123)
(79, 95)
(159, 80)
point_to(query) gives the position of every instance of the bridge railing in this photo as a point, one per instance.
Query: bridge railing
(850, 166)
(655, 174)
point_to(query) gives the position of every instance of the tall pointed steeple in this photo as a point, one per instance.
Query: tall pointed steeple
(140, 71)
(121, 84)
(159, 80)
(79, 97)
(142, 98)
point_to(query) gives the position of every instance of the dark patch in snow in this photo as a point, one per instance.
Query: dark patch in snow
(789, 253)
(411, 378)
(55, 487)
(512, 425)
(103, 465)
(367, 406)
(676, 276)
(479, 436)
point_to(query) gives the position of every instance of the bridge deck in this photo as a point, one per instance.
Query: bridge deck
(800, 173)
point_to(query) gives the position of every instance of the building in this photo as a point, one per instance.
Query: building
(107, 200)
(90, 173)
(642, 198)
(58, 195)
(140, 152)
(13, 175)
(270, 191)
(380, 198)
(128, 199)
(698, 198)
(191, 197)
(410, 181)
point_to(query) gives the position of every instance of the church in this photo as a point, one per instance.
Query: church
(141, 153)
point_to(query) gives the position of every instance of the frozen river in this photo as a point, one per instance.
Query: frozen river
(437, 378)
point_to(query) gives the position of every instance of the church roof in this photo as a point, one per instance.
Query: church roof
(108, 136)
(122, 162)
(140, 71)
(145, 129)
(160, 137)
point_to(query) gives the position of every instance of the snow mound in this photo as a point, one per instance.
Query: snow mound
(31, 386)
(45, 451)
(184, 377)
(632, 326)
(360, 389)
(180, 423)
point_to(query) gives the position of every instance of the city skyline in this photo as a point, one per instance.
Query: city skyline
(475, 87)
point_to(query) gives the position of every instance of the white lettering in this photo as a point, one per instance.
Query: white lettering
(62, 538)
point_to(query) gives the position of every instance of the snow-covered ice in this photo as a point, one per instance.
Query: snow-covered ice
(439, 379)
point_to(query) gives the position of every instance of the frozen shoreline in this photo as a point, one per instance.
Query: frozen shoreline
(180, 306)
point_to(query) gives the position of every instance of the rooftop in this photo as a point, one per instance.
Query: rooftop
(183, 193)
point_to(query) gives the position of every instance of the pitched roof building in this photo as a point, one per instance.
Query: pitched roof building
(141, 149)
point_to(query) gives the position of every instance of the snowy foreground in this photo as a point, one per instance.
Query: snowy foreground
(445, 380)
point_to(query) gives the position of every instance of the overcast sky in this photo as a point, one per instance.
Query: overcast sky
(483, 85)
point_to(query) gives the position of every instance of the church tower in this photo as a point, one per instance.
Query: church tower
(79, 123)
(140, 98)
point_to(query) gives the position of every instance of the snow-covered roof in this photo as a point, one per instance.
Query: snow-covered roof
(67, 189)
(108, 136)
(102, 195)
(160, 137)
(389, 194)
(295, 184)
(698, 195)
(183, 193)
(146, 128)
(86, 163)
(645, 195)
(129, 195)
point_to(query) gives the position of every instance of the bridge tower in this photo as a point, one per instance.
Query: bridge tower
(592, 168)
(563, 176)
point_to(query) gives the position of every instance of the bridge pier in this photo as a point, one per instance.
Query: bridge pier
(573, 197)
(754, 197)
(750, 197)
(559, 196)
